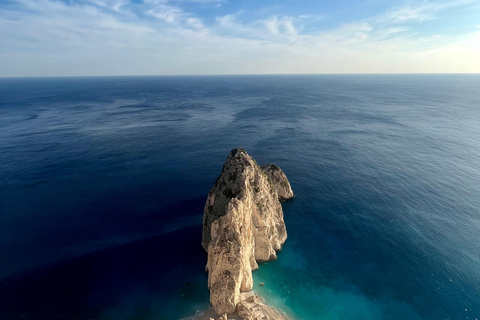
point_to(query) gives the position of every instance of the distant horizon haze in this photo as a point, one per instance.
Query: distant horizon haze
(240, 74)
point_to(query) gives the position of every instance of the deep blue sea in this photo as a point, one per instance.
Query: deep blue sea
(103, 182)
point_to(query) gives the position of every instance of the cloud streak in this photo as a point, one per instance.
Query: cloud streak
(422, 11)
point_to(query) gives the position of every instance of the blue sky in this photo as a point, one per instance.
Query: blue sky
(157, 37)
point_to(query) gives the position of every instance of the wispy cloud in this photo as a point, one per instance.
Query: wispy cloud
(396, 30)
(425, 10)
(114, 5)
(282, 25)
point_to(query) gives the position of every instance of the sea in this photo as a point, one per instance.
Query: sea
(103, 182)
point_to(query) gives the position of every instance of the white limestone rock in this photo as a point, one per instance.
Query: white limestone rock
(242, 223)
(279, 181)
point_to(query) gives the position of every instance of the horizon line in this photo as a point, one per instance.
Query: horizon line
(240, 74)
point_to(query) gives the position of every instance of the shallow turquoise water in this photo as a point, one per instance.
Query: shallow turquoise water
(103, 181)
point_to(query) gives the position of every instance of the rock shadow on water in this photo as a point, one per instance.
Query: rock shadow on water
(157, 278)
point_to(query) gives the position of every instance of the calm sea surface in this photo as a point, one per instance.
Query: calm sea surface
(103, 182)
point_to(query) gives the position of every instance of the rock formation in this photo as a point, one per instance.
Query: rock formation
(279, 181)
(242, 224)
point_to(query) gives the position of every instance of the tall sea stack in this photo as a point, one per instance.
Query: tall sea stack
(242, 224)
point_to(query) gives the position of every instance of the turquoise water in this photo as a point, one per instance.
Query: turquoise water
(103, 182)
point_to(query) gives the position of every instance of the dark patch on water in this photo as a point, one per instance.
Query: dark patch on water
(168, 266)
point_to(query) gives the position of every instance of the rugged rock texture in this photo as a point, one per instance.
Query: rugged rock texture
(231, 257)
(242, 223)
(279, 181)
(252, 307)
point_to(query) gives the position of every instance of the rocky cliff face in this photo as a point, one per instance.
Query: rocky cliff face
(279, 181)
(242, 223)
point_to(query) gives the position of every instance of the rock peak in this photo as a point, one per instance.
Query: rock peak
(237, 151)
(242, 224)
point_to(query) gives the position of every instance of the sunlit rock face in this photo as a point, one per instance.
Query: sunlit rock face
(242, 224)
(279, 181)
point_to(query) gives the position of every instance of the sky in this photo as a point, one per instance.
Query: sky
(190, 37)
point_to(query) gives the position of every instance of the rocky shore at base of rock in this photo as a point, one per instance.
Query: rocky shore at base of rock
(252, 307)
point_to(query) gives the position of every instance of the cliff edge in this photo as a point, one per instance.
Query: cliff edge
(242, 224)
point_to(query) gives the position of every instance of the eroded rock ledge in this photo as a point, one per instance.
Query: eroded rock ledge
(242, 224)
